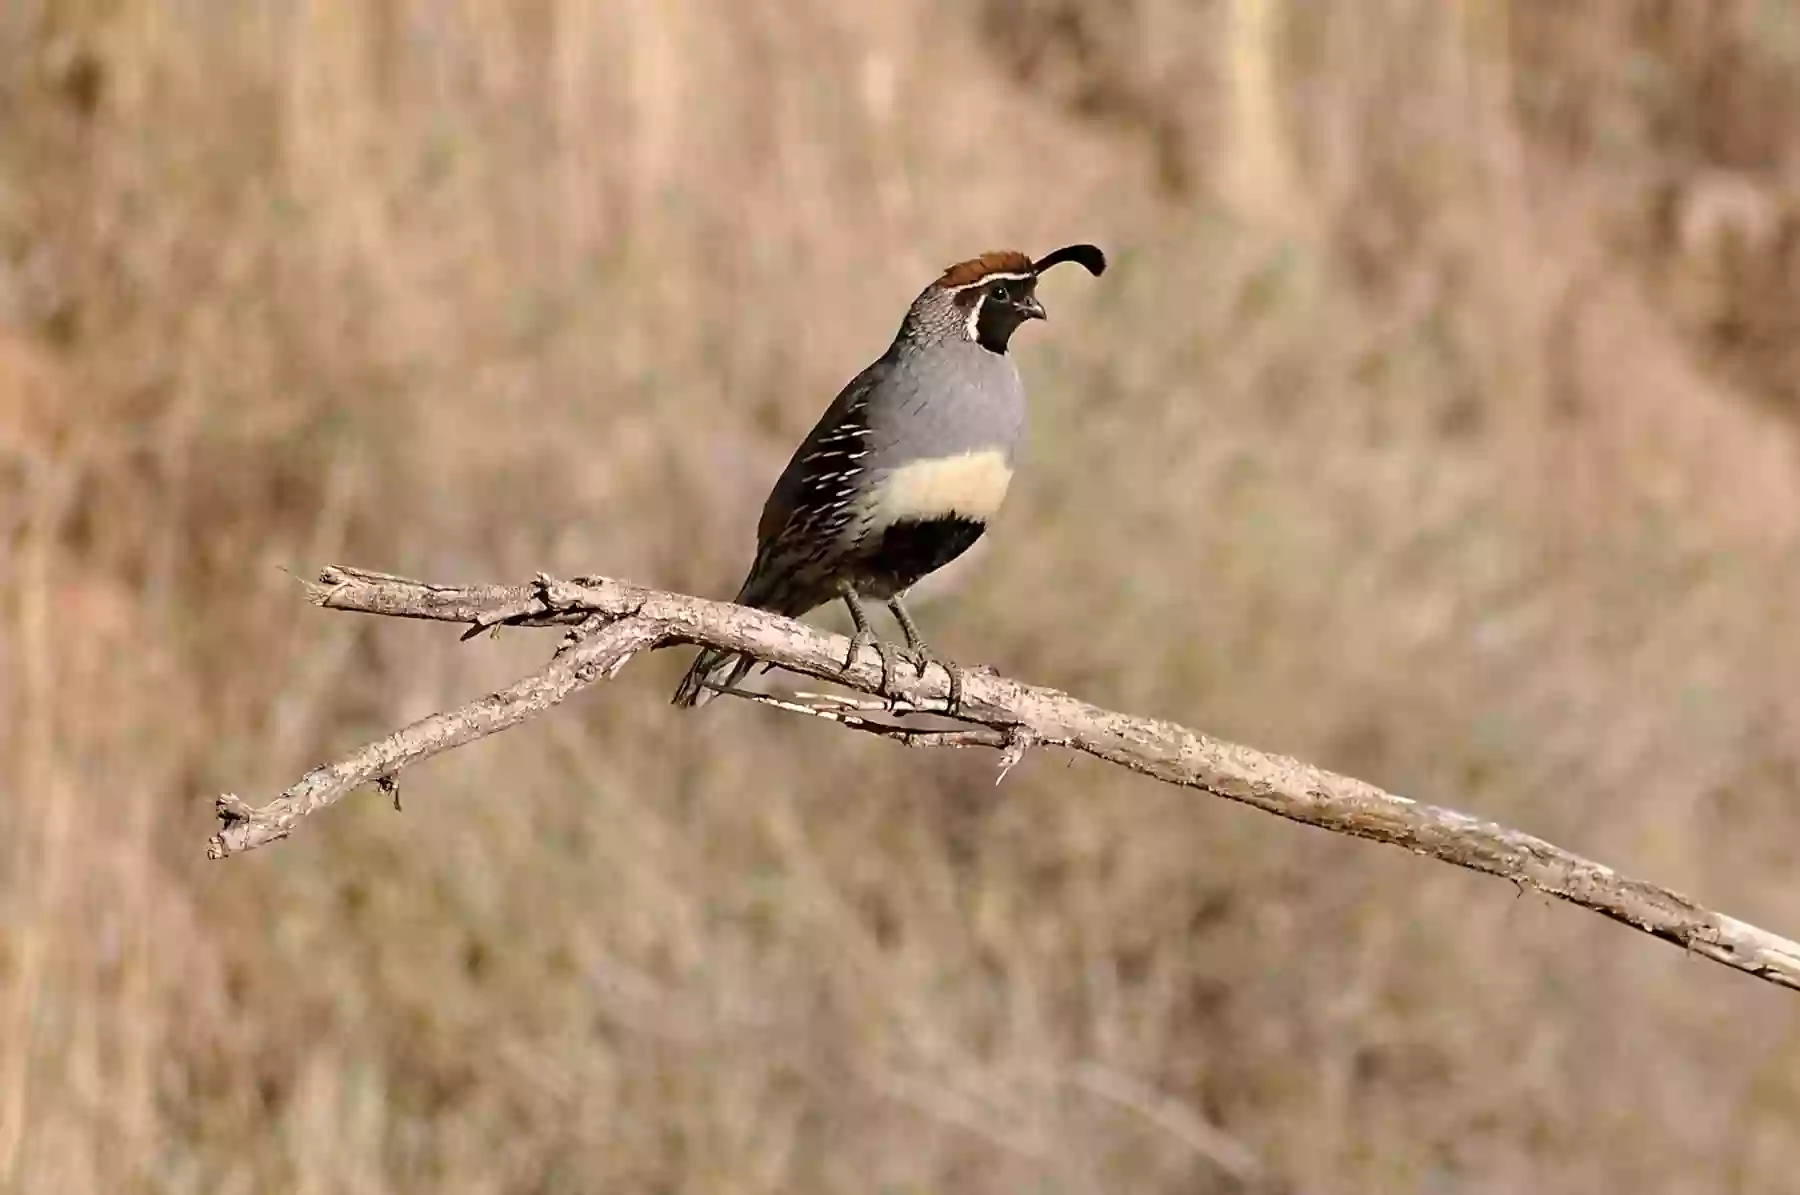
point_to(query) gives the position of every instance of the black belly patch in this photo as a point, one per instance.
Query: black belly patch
(910, 549)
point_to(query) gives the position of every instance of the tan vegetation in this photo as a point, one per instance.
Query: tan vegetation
(1435, 424)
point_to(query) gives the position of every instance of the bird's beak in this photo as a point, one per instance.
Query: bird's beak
(1031, 308)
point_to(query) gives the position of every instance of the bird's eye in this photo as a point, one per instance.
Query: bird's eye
(997, 292)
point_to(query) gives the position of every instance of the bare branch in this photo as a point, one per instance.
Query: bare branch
(614, 621)
(243, 828)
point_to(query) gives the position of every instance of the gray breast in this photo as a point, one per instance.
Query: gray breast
(942, 438)
(945, 400)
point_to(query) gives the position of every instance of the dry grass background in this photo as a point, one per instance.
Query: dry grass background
(1437, 424)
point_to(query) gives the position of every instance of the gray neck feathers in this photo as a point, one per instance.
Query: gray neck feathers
(948, 395)
(933, 318)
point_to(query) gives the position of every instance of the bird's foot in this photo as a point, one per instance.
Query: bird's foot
(922, 657)
(887, 651)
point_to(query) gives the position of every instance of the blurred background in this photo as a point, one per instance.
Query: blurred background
(1436, 423)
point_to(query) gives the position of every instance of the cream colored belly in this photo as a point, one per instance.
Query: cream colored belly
(972, 485)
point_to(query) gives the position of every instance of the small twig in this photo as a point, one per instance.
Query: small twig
(827, 709)
(1018, 741)
(242, 828)
(615, 621)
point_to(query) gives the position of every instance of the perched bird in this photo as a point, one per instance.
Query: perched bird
(905, 468)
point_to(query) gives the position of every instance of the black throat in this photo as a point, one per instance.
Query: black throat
(995, 320)
(995, 324)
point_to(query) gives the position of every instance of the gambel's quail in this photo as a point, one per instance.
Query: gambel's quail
(902, 473)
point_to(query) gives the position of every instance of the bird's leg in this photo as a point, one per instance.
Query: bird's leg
(865, 637)
(923, 656)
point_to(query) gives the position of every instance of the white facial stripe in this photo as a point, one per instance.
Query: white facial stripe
(971, 326)
(972, 484)
(987, 278)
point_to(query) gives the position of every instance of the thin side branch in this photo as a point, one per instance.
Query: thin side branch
(243, 828)
(849, 716)
(615, 620)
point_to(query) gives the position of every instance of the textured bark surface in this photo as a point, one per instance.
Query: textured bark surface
(611, 621)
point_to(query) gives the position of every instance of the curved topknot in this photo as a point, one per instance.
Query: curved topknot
(999, 261)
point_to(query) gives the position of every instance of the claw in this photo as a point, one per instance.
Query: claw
(922, 657)
(887, 651)
(883, 649)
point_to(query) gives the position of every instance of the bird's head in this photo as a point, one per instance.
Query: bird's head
(986, 298)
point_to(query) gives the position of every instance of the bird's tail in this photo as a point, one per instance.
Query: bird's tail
(716, 666)
(696, 689)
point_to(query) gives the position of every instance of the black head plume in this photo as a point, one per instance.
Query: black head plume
(1088, 256)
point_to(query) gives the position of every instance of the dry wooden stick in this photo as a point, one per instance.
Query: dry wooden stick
(611, 621)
